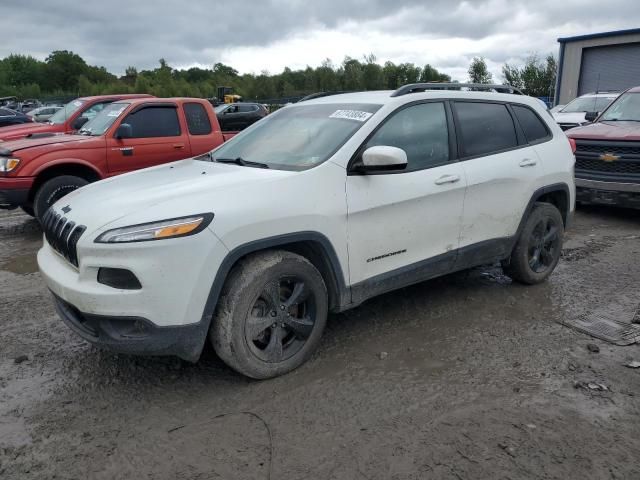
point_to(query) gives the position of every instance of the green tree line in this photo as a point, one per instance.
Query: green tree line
(64, 73)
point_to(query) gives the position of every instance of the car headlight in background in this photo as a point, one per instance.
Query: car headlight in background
(171, 228)
(8, 163)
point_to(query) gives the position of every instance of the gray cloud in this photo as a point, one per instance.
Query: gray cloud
(119, 33)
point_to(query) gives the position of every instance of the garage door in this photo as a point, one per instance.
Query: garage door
(609, 68)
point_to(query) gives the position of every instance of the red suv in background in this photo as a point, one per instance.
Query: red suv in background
(608, 154)
(66, 120)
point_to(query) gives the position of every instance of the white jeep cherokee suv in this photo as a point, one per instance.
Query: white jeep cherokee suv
(314, 209)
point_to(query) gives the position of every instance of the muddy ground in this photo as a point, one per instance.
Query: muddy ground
(477, 381)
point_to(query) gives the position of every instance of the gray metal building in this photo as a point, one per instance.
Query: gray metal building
(600, 61)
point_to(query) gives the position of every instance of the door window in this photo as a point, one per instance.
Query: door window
(421, 131)
(154, 122)
(485, 128)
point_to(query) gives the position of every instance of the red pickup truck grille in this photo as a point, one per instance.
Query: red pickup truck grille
(62, 234)
(595, 158)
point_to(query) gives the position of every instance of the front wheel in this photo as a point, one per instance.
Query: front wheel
(53, 190)
(271, 314)
(539, 246)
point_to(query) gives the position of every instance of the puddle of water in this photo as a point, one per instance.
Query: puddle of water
(21, 264)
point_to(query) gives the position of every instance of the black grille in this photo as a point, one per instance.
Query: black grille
(596, 165)
(626, 166)
(615, 149)
(62, 235)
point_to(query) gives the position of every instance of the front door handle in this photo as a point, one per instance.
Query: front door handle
(447, 179)
(178, 146)
(528, 162)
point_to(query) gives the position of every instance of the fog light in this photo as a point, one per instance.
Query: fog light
(118, 278)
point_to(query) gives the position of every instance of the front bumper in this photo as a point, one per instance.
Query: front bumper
(134, 335)
(164, 317)
(608, 193)
(14, 192)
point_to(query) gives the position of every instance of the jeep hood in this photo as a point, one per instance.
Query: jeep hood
(57, 139)
(610, 131)
(172, 190)
(24, 129)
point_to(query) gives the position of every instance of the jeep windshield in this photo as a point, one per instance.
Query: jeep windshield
(65, 112)
(99, 124)
(626, 108)
(588, 104)
(296, 137)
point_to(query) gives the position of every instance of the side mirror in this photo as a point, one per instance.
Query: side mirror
(124, 131)
(383, 158)
(590, 116)
(79, 122)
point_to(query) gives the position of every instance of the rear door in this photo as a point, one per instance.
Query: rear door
(158, 136)
(404, 225)
(502, 171)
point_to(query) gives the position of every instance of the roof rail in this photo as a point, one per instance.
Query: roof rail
(421, 87)
(321, 94)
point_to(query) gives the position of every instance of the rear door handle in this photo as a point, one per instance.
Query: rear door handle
(447, 179)
(528, 162)
(178, 146)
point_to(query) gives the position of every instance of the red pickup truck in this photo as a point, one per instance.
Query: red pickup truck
(126, 135)
(66, 120)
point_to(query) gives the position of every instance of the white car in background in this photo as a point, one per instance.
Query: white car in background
(574, 114)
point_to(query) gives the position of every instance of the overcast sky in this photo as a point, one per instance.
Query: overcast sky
(256, 35)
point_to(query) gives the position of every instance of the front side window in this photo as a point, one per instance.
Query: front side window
(485, 128)
(534, 129)
(197, 119)
(421, 131)
(154, 122)
(626, 107)
(299, 136)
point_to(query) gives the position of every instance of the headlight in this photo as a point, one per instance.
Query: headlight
(8, 163)
(171, 228)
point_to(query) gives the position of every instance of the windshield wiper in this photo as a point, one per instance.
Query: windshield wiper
(620, 120)
(242, 162)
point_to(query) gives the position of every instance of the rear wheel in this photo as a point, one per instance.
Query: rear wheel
(53, 190)
(538, 247)
(271, 314)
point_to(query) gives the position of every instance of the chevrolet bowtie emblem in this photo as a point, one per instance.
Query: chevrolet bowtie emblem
(609, 157)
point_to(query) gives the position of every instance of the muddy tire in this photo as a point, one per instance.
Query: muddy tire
(538, 248)
(53, 190)
(271, 314)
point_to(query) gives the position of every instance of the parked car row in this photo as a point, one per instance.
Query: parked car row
(107, 136)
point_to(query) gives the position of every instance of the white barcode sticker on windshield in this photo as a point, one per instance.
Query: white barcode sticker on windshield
(115, 113)
(356, 115)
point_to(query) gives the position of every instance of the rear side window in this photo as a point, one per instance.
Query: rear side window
(421, 131)
(534, 129)
(485, 128)
(197, 119)
(154, 122)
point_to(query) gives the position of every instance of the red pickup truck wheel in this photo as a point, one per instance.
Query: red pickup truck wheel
(53, 190)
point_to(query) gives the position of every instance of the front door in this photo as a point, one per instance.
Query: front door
(157, 137)
(404, 226)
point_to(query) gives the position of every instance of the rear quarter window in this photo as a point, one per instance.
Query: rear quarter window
(197, 119)
(533, 127)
